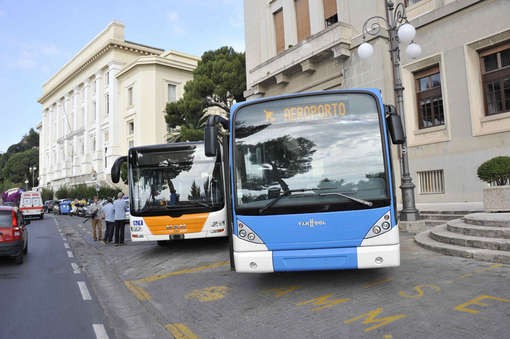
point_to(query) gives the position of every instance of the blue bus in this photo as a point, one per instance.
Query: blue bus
(310, 181)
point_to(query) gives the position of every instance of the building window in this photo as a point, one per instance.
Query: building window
(429, 97)
(172, 93)
(130, 96)
(302, 19)
(131, 143)
(496, 78)
(106, 137)
(131, 128)
(279, 31)
(107, 103)
(431, 182)
(330, 12)
(107, 78)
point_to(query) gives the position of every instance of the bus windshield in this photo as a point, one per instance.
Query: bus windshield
(172, 181)
(309, 154)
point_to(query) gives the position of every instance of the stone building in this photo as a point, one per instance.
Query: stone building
(111, 95)
(457, 92)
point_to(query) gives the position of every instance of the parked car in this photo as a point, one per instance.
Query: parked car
(48, 205)
(13, 233)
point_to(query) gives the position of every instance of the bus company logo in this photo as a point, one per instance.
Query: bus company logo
(176, 227)
(311, 223)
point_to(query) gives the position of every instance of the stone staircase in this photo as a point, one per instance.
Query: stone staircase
(435, 218)
(481, 236)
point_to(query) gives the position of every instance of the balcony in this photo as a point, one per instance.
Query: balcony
(332, 42)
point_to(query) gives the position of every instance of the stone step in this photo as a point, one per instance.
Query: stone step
(441, 234)
(459, 226)
(431, 219)
(432, 223)
(424, 240)
(488, 219)
(457, 213)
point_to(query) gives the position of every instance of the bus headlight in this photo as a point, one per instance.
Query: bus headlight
(382, 226)
(245, 233)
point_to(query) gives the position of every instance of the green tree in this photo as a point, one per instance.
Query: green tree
(219, 72)
(15, 163)
(16, 168)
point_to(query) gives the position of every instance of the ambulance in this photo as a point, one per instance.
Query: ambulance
(31, 205)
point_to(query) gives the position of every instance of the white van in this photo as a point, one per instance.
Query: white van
(31, 205)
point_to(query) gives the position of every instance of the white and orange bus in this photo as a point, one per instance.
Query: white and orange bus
(175, 192)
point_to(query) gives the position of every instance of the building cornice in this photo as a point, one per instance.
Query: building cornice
(111, 45)
(187, 65)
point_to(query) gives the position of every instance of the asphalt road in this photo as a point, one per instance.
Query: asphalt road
(186, 290)
(48, 296)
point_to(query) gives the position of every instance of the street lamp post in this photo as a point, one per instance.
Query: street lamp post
(32, 170)
(399, 30)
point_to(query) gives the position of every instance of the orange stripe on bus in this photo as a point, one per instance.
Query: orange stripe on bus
(190, 223)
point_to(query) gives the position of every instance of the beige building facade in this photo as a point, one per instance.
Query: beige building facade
(111, 95)
(457, 92)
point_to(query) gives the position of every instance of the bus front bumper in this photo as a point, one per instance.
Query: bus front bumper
(318, 259)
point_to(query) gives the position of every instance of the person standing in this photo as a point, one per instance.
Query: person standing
(119, 206)
(95, 218)
(109, 218)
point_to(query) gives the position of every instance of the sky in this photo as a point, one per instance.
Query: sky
(38, 37)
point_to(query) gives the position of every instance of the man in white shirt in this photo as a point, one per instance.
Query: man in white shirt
(119, 206)
(109, 217)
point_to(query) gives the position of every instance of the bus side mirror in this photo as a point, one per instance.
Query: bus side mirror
(394, 124)
(115, 172)
(210, 140)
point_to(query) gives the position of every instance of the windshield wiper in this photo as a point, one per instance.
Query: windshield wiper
(289, 192)
(286, 193)
(361, 201)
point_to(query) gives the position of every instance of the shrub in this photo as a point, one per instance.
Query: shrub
(47, 194)
(495, 171)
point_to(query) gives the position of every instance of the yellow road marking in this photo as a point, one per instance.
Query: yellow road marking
(142, 294)
(139, 292)
(419, 290)
(183, 271)
(480, 270)
(323, 302)
(478, 301)
(371, 318)
(180, 331)
(209, 293)
(279, 292)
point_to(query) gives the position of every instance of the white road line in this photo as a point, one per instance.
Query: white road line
(66, 245)
(76, 268)
(100, 331)
(70, 254)
(84, 290)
